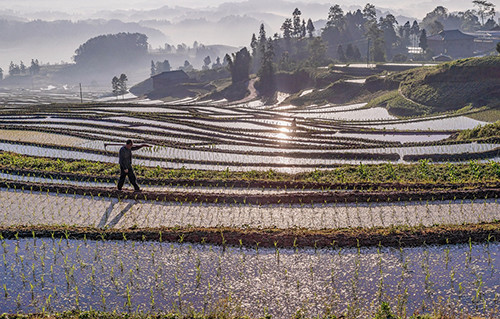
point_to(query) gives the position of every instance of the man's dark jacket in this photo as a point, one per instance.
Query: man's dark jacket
(126, 157)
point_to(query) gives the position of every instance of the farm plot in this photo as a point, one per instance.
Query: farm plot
(208, 138)
(54, 274)
(56, 203)
(44, 208)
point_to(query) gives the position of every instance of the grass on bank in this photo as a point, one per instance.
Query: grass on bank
(421, 172)
(479, 132)
(489, 115)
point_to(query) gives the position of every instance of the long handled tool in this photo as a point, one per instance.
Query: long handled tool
(111, 144)
(117, 144)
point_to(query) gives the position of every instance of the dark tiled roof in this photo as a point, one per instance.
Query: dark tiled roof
(450, 35)
(171, 75)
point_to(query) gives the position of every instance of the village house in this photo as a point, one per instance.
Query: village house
(453, 43)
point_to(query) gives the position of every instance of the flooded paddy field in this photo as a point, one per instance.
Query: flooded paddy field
(129, 276)
(27, 207)
(53, 273)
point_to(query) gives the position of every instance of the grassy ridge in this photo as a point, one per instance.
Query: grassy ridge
(485, 131)
(453, 85)
(422, 172)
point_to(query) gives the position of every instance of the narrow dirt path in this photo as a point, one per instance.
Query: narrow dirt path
(252, 96)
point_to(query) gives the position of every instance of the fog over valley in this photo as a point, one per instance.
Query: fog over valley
(175, 22)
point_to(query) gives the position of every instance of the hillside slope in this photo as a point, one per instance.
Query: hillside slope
(446, 87)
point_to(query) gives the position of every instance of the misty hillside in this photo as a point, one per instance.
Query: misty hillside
(37, 39)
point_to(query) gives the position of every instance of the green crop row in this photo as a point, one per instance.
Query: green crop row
(421, 172)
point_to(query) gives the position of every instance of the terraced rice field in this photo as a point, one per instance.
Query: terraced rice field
(238, 212)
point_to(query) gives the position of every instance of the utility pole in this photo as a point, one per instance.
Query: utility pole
(81, 95)
(368, 54)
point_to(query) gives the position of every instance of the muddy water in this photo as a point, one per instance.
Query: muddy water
(59, 274)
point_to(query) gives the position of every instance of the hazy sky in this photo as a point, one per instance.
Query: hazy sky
(410, 7)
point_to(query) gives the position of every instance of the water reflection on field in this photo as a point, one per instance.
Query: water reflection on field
(59, 274)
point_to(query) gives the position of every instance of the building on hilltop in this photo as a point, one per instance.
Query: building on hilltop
(169, 79)
(453, 43)
(486, 41)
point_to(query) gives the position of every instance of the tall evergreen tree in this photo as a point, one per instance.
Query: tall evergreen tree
(369, 12)
(267, 82)
(153, 68)
(254, 44)
(377, 49)
(239, 65)
(310, 28)
(287, 29)
(297, 27)
(423, 40)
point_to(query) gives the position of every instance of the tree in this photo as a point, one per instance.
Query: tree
(267, 82)
(485, 8)
(122, 84)
(115, 84)
(369, 12)
(112, 50)
(1, 74)
(317, 52)
(239, 65)
(357, 54)
(436, 27)
(254, 45)
(217, 64)
(404, 34)
(262, 39)
(286, 27)
(34, 67)
(310, 28)
(166, 66)
(22, 68)
(423, 40)
(162, 66)
(340, 53)
(153, 68)
(377, 49)
(498, 47)
(14, 69)
(303, 29)
(335, 17)
(206, 62)
(469, 21)
(187, 66)
(387, 25)
(297, 27)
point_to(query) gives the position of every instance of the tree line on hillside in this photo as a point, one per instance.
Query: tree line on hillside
(112, 50)
(344, 38)
(22, 69)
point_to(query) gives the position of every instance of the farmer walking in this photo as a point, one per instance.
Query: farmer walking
(126, 164)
